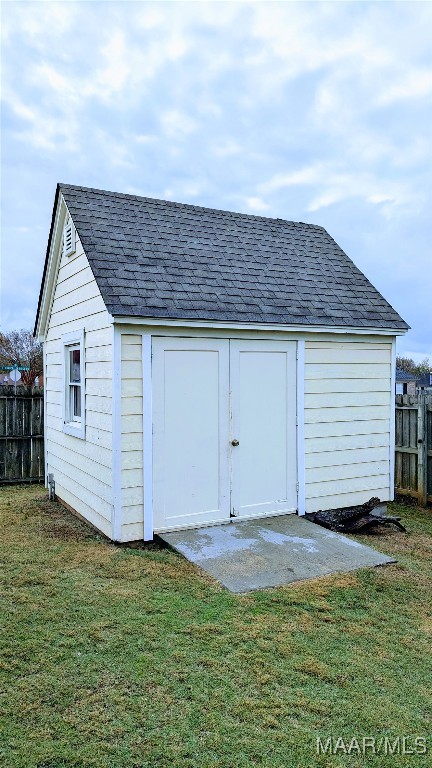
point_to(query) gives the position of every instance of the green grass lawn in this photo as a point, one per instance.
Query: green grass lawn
(128, 658)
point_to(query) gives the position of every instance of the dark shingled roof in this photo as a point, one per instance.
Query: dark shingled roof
(154, 258)
(402, 375)
(425, 380)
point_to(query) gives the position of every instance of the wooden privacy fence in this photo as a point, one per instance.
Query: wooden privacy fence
(22, 441)
(21, 435)
(413, 460)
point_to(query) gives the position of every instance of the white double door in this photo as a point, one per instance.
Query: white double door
(224, 430)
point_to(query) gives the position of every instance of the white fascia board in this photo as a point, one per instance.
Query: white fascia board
(52, 269)
(216, 325)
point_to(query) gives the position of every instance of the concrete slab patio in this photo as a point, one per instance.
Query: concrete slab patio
(257, 554)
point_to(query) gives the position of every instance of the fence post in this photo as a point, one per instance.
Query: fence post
(422, 448)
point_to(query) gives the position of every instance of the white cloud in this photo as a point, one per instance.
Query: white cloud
(17, 106)
(191, 189)
(132, 190)
(226, 148)
(281, 108)
(412, 85)
(332, 184)
(110, 78)
(312, 174)
(176, 124)
(256, 204)
(143, 138)
(51, 77)
(176, 47)
(45, 132)
(38, 22)
(151, 17)
(340, 187)
(380, 199)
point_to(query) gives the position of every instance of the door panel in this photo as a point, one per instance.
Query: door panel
(190, 432)
(263, 412)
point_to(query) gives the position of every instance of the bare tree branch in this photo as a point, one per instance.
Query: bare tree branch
(21, 348)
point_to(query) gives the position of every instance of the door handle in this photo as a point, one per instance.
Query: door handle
(235, 442)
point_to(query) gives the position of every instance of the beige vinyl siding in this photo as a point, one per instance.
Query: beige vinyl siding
(131, 437)
(347, 422)
(82, 468)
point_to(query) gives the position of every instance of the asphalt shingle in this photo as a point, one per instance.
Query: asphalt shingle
(155, 258)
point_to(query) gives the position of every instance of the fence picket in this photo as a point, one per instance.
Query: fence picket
(413, 460)
(21, 435)
(22, 448)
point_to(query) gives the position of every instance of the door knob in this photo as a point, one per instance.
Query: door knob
(235, 442)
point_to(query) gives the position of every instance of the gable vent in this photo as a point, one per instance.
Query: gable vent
(69, 238)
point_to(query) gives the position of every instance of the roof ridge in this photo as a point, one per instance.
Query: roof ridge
(129, 196)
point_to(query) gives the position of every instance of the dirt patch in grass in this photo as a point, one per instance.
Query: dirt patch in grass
(132, 658)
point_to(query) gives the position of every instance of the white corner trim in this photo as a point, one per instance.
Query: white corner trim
(392, 421)
(301, 490)
(147, 436)
(116, 436)
(45, 381)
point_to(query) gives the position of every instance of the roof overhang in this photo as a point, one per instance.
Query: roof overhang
(211, 324)
(51, 265)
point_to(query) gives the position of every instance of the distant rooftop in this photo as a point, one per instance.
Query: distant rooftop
(425, 380)
(402, 375)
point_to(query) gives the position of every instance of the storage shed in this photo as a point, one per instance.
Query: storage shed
(202, 365)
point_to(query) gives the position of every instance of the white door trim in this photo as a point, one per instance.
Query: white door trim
(301, 486)
(147, 436)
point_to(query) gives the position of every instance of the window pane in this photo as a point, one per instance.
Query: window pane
(76, 402)
(74, 362)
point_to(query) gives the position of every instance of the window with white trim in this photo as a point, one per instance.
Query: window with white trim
(69, 239)
(74, 384)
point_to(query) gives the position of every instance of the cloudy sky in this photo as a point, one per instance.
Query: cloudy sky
(317, 112)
